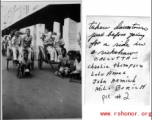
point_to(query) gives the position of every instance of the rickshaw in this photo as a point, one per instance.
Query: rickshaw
(4, 45)
(24, 70)
(10, 58)
(4, 48)
(44, 56)
(16, 65)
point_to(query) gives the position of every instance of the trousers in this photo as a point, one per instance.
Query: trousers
(52, 52)
(15, 49)
(29, 52)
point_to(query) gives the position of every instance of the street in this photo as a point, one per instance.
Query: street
(42, 96)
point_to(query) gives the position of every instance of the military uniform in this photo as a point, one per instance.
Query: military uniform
(26, 45)
(50, 48)
(16, 45)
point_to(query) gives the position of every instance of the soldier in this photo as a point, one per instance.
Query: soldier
(58, 43)
(49, 44)
(16, 46)
(26, 43)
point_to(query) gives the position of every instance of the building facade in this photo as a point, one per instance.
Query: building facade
(42, 18)
(14, 13)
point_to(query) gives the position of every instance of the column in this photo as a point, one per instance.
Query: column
(72, 35)
(56, 27)
(79, 29)
(66, 33)
(40, 28)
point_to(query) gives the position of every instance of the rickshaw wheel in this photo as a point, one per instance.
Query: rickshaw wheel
(7, 64)
(40, 60)
(3, 52)
(19, 75)
(32, 58)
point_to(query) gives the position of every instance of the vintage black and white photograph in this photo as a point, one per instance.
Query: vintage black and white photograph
(41, 60)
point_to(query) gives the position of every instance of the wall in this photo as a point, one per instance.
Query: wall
(56, 27)
(79, 29)
(65, 33)
(16, 12)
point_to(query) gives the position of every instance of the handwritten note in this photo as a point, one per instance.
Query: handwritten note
(118, 60)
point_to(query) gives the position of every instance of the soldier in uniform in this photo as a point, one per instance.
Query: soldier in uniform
(26, 44)
(49, 44)
(16, 45)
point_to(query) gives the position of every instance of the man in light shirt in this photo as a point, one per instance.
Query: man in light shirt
(77, 64)
(58, 43)
(49, 44)
(26, 44)
(64, 64)
(16, 46)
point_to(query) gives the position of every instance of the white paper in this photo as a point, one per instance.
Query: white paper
(120, 48)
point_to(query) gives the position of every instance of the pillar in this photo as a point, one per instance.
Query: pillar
(40, 28)
(56, 27)
(66, 33)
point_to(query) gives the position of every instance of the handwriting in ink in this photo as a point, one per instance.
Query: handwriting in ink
(94, 25)
(95, 35)
(120, 52)
(118, 96)
(139, 44)
(101, 66)
(112, 58)
(133, 26)
(128, 80)
(95, 81)
(94, 43)
(106, 44)
(136, 35)
(127, 97)
(118, 65)
(105, 97)
(114, 35)
(102, 88)
(126, 44)
(134, 87)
